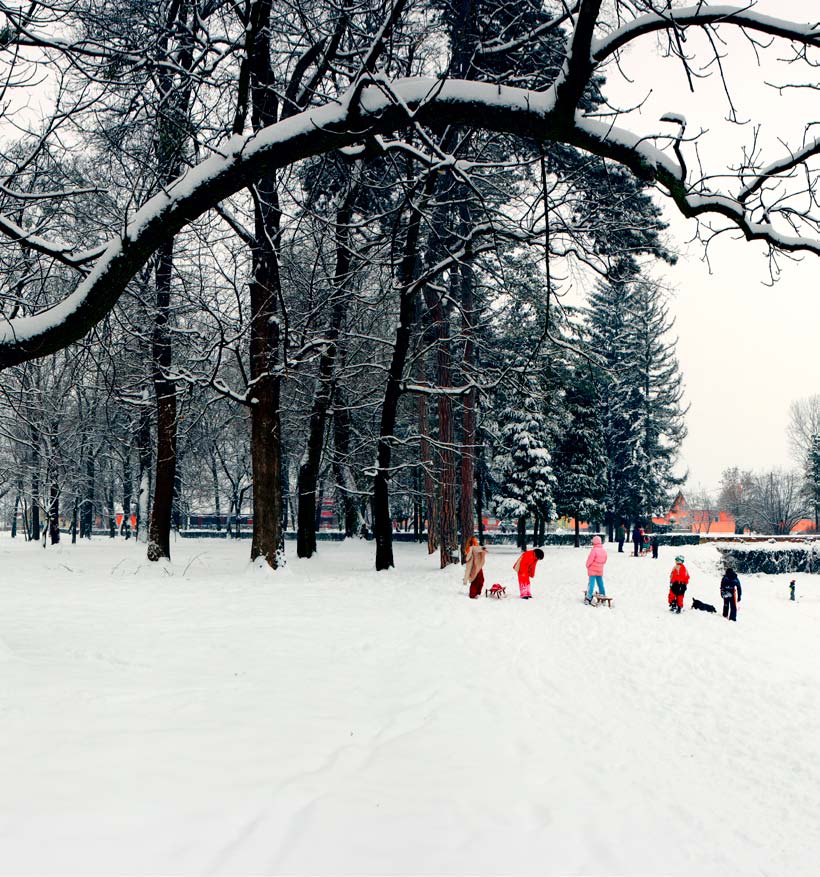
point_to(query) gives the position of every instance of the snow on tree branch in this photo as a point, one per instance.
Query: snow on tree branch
(375, 104)
(702, 15)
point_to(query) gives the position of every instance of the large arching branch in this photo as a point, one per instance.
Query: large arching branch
(373, 106)
(701, 15)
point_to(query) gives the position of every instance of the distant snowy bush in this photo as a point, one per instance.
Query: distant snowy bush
(772, 558)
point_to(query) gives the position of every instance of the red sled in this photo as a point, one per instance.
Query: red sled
(497, 591)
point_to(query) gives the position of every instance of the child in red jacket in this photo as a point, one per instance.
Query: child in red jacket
(525, 567)
(678, 580)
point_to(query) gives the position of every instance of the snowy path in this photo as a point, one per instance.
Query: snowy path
(206, 719)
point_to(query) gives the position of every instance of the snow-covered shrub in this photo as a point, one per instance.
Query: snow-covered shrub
(772, 560)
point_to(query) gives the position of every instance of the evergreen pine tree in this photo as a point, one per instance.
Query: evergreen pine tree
(813, 478)
(655, 403)
(579, 461)
(523, 466)
(641, 397)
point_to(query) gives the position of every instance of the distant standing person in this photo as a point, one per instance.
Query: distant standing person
(792, 586)
(678, 580)
(475, 555)
(655, 543)
(730, 591)
(620, 537)
(596, 560)
(525, 567)
(637, 539)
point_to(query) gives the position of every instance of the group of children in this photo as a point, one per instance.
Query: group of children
(730, 589)
(475, 555)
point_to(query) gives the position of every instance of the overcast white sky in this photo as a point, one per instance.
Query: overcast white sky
(747, 350)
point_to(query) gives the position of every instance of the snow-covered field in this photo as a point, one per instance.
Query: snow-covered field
(208, 718)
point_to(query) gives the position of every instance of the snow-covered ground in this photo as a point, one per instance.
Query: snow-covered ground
(207, 718)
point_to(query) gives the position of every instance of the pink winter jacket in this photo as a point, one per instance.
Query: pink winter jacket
(596, 558)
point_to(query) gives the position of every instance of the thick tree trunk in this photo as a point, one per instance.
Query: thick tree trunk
(428, 463)
(382, 524)
(318, 508)
(447, 517)
(26, 530)
(266, 436)
(177, 512)
(159, 535)
(89, 489)
(479, 503)
(268, 536)
(127, 489)
(309, 469)
(172, 138)
(449, 514)
(54, 513)
(14, 513)
(306, 504)
(468, 418)
(345, 479)
(35, 484)
(417, 513)
(265, 292)
(215, 480)
(522, 533)
(112, 515)
(145, 462)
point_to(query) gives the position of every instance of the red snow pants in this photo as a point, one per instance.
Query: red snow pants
(477, 584)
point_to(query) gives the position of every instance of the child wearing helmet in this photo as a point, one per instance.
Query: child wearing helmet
(678, 580)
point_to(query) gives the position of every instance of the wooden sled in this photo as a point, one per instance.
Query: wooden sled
(598, 599)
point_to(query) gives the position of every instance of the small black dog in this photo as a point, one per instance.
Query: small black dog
(705, 607)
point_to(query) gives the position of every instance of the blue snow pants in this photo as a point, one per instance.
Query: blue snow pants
(593, 580)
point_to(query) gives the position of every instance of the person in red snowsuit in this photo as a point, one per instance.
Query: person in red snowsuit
(678, 580)
(525, 567)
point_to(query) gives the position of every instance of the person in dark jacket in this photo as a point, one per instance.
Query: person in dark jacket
(637, 539)
(620, 537)
(730, 591)
(654, 543)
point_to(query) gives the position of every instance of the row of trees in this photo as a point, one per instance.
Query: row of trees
(772, 502)
(362, 268)
(775, 501)
(803, 432)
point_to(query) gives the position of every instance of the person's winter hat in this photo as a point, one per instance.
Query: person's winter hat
(596, 540)
(679, 559)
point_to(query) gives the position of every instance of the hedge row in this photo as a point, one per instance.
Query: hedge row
(804, 558)
(488, 539)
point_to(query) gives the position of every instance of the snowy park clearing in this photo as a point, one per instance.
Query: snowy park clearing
(207, 717)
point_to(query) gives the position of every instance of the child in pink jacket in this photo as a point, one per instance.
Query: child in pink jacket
(595, 568)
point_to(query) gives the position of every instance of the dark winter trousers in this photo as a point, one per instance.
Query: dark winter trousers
(655, 551)
(637, 548)
(477, 584)
(730, 608)
(621, 546)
